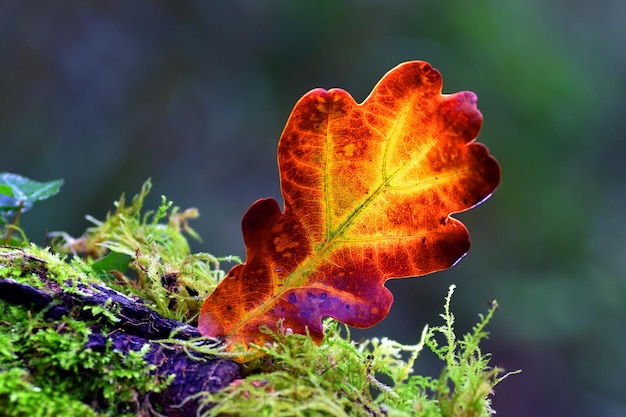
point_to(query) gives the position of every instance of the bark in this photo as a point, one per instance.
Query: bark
(137, 326)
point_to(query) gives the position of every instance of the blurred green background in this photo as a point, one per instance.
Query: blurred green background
(195, 95)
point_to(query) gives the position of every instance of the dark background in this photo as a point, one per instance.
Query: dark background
(195, 95)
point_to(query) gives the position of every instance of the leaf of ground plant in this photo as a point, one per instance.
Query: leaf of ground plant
(5, 190)
(27, 190)
(368, 191)
(22, 193)
(113, 261)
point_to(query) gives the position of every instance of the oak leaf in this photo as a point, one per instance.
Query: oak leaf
(368, 191)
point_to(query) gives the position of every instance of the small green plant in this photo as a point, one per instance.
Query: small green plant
(17, 195)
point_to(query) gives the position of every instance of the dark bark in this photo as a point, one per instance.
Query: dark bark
(137, 326)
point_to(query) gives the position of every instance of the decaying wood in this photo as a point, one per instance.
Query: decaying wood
(138, 325)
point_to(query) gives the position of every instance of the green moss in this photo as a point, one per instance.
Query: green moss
(147, 254)
(47, 370)
(24, 398)
(343, 378)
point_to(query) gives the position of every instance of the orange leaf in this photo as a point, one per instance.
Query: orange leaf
(368, 190)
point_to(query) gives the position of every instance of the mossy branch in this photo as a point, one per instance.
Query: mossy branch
(65, 326)
(121, 308)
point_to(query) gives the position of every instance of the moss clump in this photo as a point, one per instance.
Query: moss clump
(147, 254)
(48, 369)
(343, 378)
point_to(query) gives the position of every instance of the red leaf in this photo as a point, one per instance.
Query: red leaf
(368, 190)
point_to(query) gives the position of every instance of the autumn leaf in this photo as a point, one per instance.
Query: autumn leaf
(368, 191)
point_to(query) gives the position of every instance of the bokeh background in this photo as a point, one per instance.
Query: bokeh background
(195, 94)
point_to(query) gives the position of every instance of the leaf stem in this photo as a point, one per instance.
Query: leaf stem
(14, 223)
